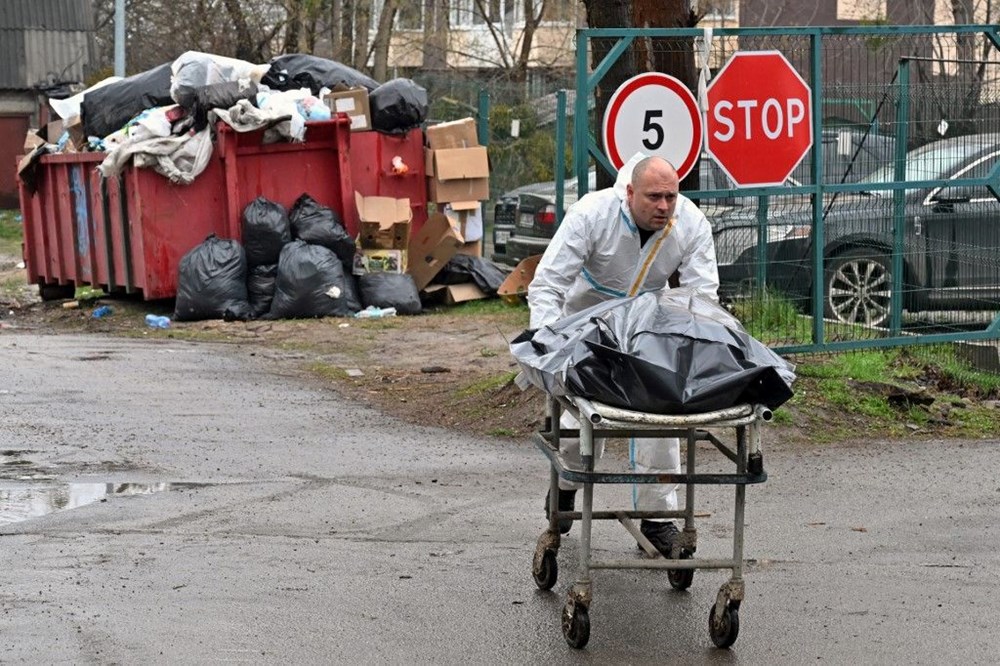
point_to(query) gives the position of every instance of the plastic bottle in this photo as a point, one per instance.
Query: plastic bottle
(102, 311)
(372, 312)
(156, 321)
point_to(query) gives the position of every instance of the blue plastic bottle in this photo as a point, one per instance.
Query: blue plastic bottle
(102, 311)
(156, 321)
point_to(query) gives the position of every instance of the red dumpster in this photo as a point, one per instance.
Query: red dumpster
(373, 172)
(128, 234)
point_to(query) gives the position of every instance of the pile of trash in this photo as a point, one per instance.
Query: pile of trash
(163, 118)
(301, 263)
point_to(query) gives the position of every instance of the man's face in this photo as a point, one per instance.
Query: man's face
(653, 198)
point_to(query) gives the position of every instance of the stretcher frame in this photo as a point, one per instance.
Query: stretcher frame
(599, 420)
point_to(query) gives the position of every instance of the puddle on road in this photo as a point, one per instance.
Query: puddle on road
(24, 500)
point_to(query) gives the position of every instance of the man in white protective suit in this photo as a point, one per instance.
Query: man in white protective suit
(623, 241)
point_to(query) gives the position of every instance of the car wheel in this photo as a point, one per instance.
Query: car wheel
(858, 288)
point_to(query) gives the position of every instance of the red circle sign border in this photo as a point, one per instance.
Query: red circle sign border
(674, 85)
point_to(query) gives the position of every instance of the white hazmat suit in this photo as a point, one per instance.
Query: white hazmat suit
(596, 255)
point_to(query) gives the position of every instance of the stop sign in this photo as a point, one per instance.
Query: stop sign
(759, 118)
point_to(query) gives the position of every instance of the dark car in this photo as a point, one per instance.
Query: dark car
(505, 215)
(950, 241)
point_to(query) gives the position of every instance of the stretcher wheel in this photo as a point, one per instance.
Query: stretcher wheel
(681, 579)
(547, 571)
(725, 632)
(576, 625)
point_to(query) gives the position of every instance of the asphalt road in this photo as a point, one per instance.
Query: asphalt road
(302, 528)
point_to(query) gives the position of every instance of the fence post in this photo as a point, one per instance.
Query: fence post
(898, 199)
(560, 165)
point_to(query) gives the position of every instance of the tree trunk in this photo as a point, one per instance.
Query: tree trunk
(383, 36)
(294, 26)
(362, 23)
(609, 14)
(669, 56)
(435, 35)
(531, 21)
(244, 41)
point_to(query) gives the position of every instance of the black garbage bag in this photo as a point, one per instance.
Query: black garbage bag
(266, 229)
(390, 290)
(464, 268)
(300, 70)
(312, 282)
(316, 224)
(666, 352)
(108, 108)
(217, 96)
(398, 106)
(212, 282)
(260, 288)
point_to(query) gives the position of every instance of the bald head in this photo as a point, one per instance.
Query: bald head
(652, 194)
(656, 166)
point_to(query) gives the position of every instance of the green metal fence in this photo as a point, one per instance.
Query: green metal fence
(888, 231)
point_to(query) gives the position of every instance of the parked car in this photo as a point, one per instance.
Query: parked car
(950, 244)
(505, 215)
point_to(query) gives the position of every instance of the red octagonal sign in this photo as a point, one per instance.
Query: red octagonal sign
(759, 124)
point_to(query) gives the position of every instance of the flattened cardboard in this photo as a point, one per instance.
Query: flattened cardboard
(515, 286)
(430, 249)
(353, 102)
(32, 141)
(385, 222)
(455, 134)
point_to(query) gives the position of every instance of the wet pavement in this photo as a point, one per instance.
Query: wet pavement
(291, 525)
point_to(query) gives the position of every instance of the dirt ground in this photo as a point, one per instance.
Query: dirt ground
(449, 367)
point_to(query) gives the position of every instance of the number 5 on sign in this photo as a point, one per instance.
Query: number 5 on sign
(655, 114)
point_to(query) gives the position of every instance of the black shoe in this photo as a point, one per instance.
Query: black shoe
(661, 535)
(567, 502)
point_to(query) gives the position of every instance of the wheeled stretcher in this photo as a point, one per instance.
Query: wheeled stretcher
(599, 420)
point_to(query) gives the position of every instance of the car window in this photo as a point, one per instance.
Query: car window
(980, 169)
(934, 160)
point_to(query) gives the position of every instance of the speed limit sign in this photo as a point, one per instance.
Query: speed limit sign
(655, 114)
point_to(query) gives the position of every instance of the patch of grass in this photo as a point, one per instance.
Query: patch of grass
(327, 371)
(978, 421)
(487, 384)
(781, 417)
(11, 232)
(503, 432)
(12, 284)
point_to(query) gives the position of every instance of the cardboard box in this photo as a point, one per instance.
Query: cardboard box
(77, 136)
(472, 248)
(385, 222)
(515, 286)
(438, 241)
(469, 215)
(32, 141)
(53, 131)
(457, 175)
(452, 294)
(353, 102)
(379, 261)
(454, 134)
